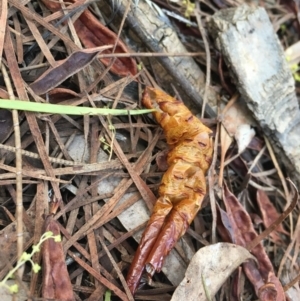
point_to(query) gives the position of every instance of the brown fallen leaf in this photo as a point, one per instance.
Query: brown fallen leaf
(65, 68)
(56, 280)
(93, 33)
(206, 273)
(262, 276)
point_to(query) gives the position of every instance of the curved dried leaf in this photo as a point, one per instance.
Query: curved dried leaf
(262, 276)
(206, 273)
(93, 33)
(56, 280)
(64, 69)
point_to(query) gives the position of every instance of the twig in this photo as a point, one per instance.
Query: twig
(116, 43)
(211, 187)
(149, 54)
(36, 156)
(19, 192)
(208, 59)
(119, 273)
(3, 21)
(292, 283)
(280, 174)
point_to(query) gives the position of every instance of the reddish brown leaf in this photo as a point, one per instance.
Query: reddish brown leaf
(266, 284)
(56, 281)
(64, 69)
(269, 215)
(92, 33)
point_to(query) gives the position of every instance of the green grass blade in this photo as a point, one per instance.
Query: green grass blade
(64, 109)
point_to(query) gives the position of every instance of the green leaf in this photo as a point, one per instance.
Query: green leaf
(64, 109)
(107, 295)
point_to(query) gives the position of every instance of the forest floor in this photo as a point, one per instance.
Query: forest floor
(94, 177)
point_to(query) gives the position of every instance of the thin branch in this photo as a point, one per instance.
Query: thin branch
(119, 273)
(208, 59)
(211, 181)
(19, 192)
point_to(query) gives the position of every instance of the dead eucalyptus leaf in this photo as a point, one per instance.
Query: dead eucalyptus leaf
(208, 270)
(65, 68)
(56, 280)
(261, 275)
(92, 33)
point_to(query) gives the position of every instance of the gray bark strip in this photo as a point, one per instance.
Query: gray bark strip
(151, 26)
(253, 53)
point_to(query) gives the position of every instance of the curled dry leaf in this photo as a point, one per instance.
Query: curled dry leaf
(64, 69)
(93, 33)
(56, 280)
(208, 270)
(262, 276)
(183, 185)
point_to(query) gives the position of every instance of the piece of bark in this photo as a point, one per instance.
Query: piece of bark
(253, 53)
(158, 35)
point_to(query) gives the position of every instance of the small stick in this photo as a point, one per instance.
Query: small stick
(280, 174)
(210, 176)
(19, 192)
(119, 273)
(36, 156)
(149, 54)
(208, 59)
